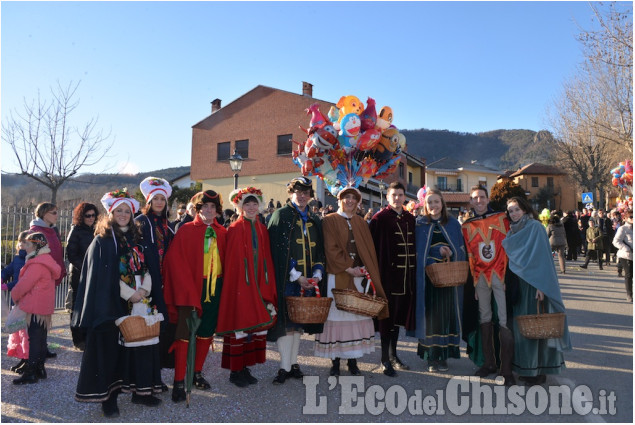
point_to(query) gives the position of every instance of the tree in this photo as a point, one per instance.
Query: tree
(48, 147)
(502, 191)
(184, 195)
(609, 65)
(592, 119)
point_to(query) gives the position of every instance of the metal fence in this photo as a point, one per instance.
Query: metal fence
(14, 220)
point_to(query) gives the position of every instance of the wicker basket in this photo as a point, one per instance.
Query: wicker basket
(308, 309)
(358, 303)
(542, 325)
(135, 329)
(448, 273)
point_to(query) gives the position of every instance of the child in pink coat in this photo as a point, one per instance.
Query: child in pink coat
(18, 344)
(35, 295)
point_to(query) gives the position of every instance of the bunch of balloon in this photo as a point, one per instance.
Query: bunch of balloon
(623, 176)
(349, 145)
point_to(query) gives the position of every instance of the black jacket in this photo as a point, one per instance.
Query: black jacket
(77, 243)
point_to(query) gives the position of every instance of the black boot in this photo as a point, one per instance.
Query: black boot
(17, 368)
(109, 407)
(28, 377)
(507, 355)
(352, 367)
(40, 371)
(335, 369)
(487, 341)
(178, 391)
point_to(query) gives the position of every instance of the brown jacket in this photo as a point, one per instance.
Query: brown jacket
(337, 258)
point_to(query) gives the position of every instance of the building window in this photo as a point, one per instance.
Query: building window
(550, 181)
(442, 182)
(222, 153)
(401, 171)
(534, 182)
(459, 185)
(242, 148)
(409, 177)
(285, 145)
(483, 183)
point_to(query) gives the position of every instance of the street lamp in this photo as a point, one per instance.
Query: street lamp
(382, 187)
(236, 163)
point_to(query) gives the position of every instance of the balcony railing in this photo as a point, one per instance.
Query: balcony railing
(450, 188)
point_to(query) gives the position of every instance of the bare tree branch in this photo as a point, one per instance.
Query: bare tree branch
(48, 147)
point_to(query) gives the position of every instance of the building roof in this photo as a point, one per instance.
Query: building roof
(226, 111)
(537, 168)
(456, 198)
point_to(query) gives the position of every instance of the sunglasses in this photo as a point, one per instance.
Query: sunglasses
(89, 215)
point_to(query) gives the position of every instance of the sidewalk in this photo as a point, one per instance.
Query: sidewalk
(600, 321)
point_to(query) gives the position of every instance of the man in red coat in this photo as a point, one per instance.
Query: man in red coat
(193, 278)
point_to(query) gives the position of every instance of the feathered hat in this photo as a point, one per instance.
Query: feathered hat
(152, 186)
(238, 196)
(111, 199)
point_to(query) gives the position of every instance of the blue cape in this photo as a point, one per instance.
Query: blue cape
(423, 237)
(530, 258)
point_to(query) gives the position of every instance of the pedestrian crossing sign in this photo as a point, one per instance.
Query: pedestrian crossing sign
(587, 198)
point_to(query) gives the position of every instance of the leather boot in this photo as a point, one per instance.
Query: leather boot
(28, 377)
(40, 371)
(507, 355)
(487, 341)
(18, 367)
(335, 369)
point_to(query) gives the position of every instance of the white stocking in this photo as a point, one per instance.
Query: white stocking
(285, 346)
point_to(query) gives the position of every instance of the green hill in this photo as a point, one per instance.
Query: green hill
(502, 149)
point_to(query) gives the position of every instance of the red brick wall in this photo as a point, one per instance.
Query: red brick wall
(260, 116)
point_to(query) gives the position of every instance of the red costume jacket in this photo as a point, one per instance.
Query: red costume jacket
(483, 236)
(183, 265)
(249, 282)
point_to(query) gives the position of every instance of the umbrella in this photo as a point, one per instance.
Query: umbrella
(193, 323)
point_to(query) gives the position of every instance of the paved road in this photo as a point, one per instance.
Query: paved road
(601, 324)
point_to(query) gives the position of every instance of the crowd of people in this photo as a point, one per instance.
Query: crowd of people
(226, 272)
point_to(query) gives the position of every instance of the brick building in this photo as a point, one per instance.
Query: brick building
(260, 125)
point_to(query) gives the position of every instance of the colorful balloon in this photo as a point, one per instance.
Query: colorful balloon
(349, 105)
(369, 115)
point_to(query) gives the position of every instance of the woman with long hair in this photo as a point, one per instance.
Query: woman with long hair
(85, 215)
(531, 263)
(115, 282)
(157, 235)
(438, 325)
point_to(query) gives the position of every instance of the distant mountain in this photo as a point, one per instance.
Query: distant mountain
(22, 190)
(114, 180)
(500, 149)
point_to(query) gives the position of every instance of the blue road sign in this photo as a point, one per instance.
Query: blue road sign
(587, 198)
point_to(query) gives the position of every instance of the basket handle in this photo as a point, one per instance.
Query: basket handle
(540, 306)
(313, 282)
(370, 283)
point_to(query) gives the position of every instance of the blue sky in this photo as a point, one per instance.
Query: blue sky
(149, 70)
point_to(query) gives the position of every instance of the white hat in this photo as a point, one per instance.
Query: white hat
(111, 199)
(152, 186)
(238, 196)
